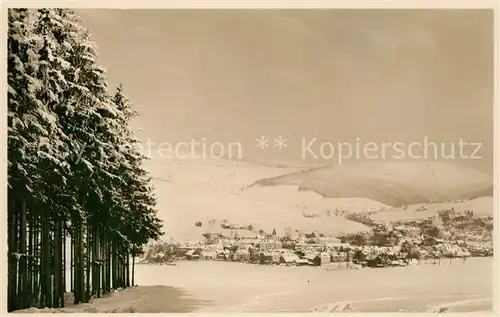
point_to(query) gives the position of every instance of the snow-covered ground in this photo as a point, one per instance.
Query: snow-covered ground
(142, 299)
(240, 287)
(210, 286)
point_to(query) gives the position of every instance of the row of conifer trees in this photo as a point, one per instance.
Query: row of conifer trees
(80, 205)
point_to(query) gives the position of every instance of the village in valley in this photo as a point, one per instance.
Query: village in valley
(249, 161)
(447, 235)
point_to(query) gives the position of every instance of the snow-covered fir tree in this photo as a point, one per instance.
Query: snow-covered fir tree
(74, 168)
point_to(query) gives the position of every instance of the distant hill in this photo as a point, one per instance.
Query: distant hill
(195, 190)
(482, 207)
(266, 197)
(391, 183)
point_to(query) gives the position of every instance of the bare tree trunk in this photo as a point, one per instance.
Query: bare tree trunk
(108, 261)
(79, 286)
(31, 264)
(72, 261)
(133, 271)
(45, 271)
(95, 262)
(127, 270)
(12, 249)
(81, 257)
(58, 264)
(63, 285)
(103, 254)
(37, 256)
(87, 262)
(75, 267)
(114, 264)
(23, 292)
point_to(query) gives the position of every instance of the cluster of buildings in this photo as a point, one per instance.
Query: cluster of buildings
(258, 251)
(310, 249)
(449, 234)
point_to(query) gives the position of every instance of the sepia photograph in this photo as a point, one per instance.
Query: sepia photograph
(246, 160)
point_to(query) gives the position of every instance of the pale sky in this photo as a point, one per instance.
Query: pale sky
(337, 75)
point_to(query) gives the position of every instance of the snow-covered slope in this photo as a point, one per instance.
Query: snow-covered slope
(266, 197)
(193, 190)
(482, 206)
(392, 183)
